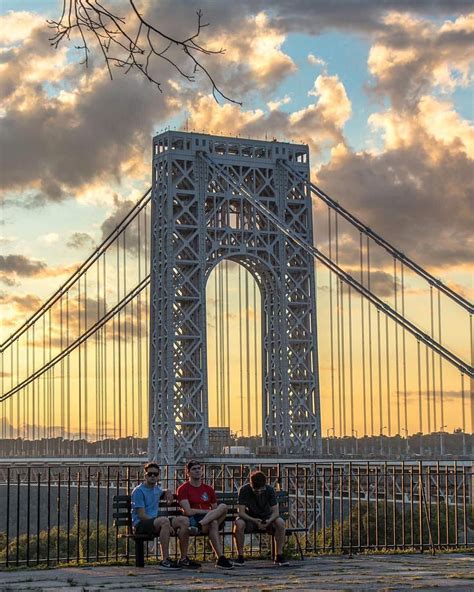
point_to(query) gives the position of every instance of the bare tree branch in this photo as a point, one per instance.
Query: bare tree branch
(92, 20)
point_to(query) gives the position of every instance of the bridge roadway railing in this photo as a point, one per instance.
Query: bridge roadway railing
(63, 514)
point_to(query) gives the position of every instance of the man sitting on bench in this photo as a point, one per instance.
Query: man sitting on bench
(146, 519)
(199, 503)
(258, 512)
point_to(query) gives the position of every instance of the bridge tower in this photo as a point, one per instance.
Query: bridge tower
(198, 220)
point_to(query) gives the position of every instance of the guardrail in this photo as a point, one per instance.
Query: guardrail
(60, 515)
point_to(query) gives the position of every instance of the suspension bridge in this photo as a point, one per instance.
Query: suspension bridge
(237, 295)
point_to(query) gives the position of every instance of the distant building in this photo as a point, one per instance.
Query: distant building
(218, 439)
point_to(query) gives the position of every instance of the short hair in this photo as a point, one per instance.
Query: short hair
(258, 479)
(192, 463)
(151, 464)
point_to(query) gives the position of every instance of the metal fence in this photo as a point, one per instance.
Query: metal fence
(62, 515)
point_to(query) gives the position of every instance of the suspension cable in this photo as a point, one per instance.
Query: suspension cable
(408, 325)
(379, 240)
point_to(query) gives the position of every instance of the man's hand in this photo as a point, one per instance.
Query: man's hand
(168, 496)
(261, 524)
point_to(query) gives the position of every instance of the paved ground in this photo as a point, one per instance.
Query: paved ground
(448, 572)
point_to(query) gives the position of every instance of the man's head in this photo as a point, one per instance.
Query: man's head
(152, 472)
(258, 481)
(194, 469)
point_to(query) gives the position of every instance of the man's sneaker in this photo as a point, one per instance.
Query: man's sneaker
(281, 561)
(224, 563)
(169, 564)
(239, 561)
(189, 563)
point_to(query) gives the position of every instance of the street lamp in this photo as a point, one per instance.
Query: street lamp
(441, 442)
(356, 439)
(381, 439)
(406, 438)
(327, 438)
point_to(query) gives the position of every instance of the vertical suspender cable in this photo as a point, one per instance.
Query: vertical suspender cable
(216, 345)
(351, 371)
(362, 311)
(428, 401)
(104, 351)
(114, 374)
(471, 335)
(68, 374)
(139, 334)
(34, 389)
(119, 343)
(241, 384)
(133, 398)
(331, 332)
(125, 340)
(97, 359)
(420, 409)
(404, 352)
(433, 368)
(441, 386)
(387, 357)
(51, 380)
(86, 370)
(343, 361)
(379, 373)
(255, 357)
(338, 332)
(369, 310)
(222, 342)
(79, 304)
(26, 391)
(147, 245)
(247, 352)
(61, 346)
(227, 337)
(397, 361)
(463, 406)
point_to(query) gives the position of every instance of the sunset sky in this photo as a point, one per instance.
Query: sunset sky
(381, 91)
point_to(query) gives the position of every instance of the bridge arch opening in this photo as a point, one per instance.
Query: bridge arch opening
(234, 356)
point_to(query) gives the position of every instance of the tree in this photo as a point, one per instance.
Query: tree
(132, 42)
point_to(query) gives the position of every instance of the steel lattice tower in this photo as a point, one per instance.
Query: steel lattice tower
(198, 220)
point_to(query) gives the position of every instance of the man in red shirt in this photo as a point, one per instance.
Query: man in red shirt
(199, 504)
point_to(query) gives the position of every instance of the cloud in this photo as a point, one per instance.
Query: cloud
(80, 240)
(315, 61)
(25, 304)
(16, 26)
(363, 16)
(50, 238)
(320, 124)
(13, 267)
(420, 205)
(411, 55)
(21, 265)
(274, 105)
(65, 128)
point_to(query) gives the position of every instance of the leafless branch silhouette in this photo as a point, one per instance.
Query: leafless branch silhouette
(132, 42)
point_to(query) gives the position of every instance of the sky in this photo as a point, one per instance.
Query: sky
(380, 91)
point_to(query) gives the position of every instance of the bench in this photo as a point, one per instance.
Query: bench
(122, 514)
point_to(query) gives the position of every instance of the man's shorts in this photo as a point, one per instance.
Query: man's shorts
(252, 528)
(145, 527)
(195, 519)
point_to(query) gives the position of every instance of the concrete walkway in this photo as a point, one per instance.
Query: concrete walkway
(443, 572)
